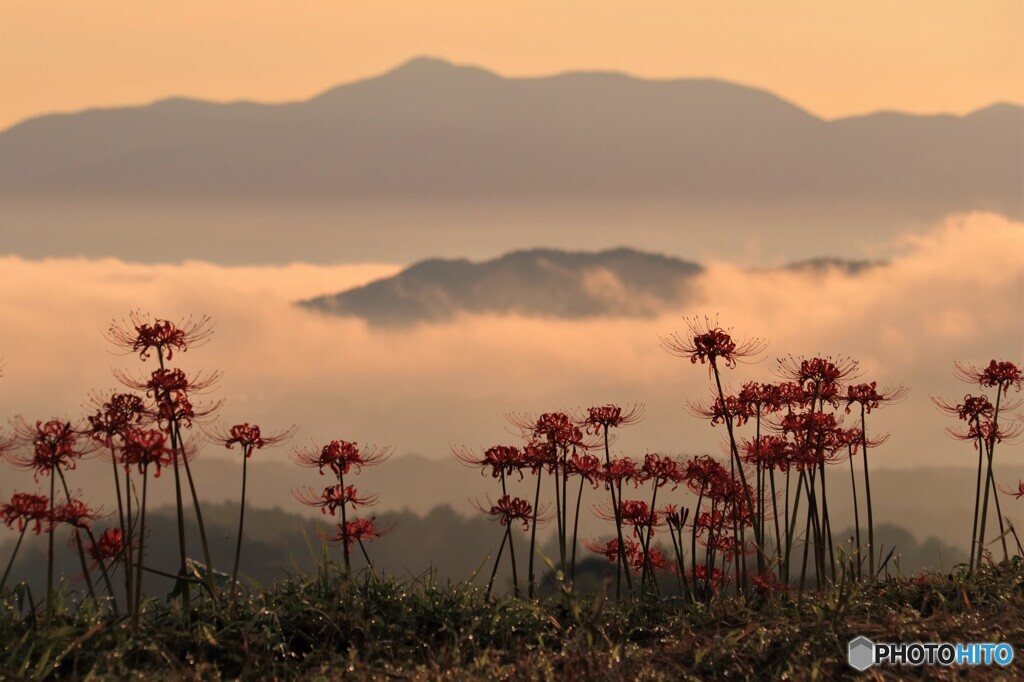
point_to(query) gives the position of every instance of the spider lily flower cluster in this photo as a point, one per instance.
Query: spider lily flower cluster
(756, 520)
(141, 432)
(983, 429)
(798, 427)
(343, 458)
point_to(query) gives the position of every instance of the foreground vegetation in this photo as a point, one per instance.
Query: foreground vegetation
(378, 628)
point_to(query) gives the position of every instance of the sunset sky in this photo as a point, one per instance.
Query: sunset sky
(147, 210)
(833, 58)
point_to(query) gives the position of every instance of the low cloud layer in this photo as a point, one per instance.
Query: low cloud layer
(955, 293)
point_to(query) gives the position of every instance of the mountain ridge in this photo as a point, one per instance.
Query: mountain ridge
(536, 282)
(540, 282)
(411, 64)
(433, 130)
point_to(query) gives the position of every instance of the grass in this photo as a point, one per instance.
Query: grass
(380, 628)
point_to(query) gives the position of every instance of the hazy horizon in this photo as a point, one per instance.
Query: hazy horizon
(834, 59)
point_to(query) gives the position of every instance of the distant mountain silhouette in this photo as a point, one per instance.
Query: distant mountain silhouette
(539, 282)
(432, 130)
(825, 264)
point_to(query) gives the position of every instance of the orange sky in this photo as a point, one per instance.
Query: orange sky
(833, 58)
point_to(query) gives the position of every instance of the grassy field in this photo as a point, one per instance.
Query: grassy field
(330, 627)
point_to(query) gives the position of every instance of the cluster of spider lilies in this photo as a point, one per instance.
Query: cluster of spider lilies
(142, 432)
(760, 520)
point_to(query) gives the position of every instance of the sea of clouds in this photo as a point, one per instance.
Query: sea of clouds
(953, 293)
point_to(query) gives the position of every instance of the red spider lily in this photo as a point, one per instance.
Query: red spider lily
(609, 416)
(756, 396)
(634, 554)
(724, 490)
(738, 410)
(76, 513)
(988, 433)
(340, 456)
(7, 441)
(588, 466)
(556, 428)
(248, 436)
(170, 389)
(109, 545)
(145, 447)
(855, 439)
(868, 396)
(790, 395)
(164, 381)
(1001, 375)
(25, 508)
(818, 373)
(709, 521)
(662, 470)
(724, 544)
(1018, 493)
(54, 444)
(333, 497)
(635, 513)
(714, 579)
(703, 473)
(539, 455)
(114, 416)
(821, 436)
(140, 335)
(766, 583)
(173, 380)
(357, 530)
(501, 459)
(707, 342)
(808, 426)
(972, 408)
(655, 560)
(768, 451)
(509, 509)
(611, 548)
(622, 469)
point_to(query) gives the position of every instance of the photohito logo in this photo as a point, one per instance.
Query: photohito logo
(862, 653)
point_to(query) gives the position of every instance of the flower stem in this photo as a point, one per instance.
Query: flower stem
(241, 521)
(10, 563)
(142, 551)
(531, 581)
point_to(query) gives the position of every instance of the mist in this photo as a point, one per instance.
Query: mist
(953, 292)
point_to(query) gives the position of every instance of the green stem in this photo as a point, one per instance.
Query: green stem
(739, 465)
(623, 567)
(10, 563)
(856, 514)
(199, 518)
(142, 552)
(241, 520)
(867, 494)
(531, 580)
(977, 499)
(497, 559)
(344, 525)
(49, 552)
(575, 528)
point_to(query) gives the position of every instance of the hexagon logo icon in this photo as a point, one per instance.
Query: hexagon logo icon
(861, 653)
